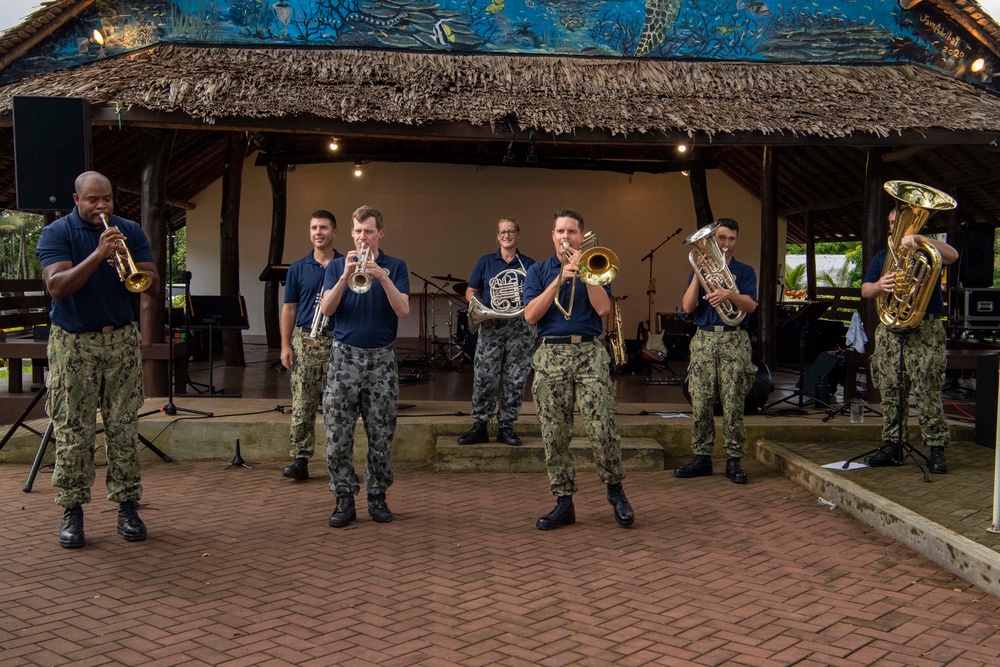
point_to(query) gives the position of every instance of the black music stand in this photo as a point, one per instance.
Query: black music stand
(211, 313)
(803, 318)
(275, 273)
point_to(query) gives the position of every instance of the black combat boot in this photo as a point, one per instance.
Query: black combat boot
(623, 510)
(299, 469)
(937, 464)
(734, 471)
(130, 526)
(506, 436)
(563, 514)
(71, 530)
(377, 508)
(344, 512)
(700, 466)
(476, 435)
(889, 454)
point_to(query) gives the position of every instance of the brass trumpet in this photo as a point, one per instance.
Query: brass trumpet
(360, 282)
(598, 266)
(134, 279)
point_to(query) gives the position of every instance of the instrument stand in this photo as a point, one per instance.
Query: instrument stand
(237, 461)
(651, 290)
(211, 312)
(442, 348)
(907, 450)
(19, 422)
(807, 314)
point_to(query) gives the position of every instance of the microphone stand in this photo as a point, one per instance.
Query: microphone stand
(651, 290)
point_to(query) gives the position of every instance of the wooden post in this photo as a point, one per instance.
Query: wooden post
(229, 240)
(699, 192)
(810, 258)
(874, 236)
(277, 174)
(767, 306)
(152, 321)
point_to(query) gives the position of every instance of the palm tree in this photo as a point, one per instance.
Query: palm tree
(18, 236)
(795, 278)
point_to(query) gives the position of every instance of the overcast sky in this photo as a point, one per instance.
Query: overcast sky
(13, 12)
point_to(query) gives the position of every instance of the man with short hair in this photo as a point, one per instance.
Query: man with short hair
(363, 378)
(305, 356)
(95, 354)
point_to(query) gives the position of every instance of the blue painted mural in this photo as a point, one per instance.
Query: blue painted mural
(827, 31)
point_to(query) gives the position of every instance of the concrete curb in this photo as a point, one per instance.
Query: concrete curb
(977, 564)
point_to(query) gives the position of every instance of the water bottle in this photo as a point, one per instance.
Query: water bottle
(857, 411)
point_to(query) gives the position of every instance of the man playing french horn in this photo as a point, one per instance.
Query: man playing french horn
(506, 341)
(306, 337)
(721, 364)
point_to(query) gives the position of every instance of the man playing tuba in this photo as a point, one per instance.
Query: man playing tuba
(503, 352)
(721, 362)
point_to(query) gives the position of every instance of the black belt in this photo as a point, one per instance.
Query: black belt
(324, 332)
(109, 328)
(567, 340)
(717, 328)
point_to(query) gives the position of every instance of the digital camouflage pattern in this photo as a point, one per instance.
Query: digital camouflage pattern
(309, 367)
(923, 369)
(89, 371)
(361, 382)
(720, 366)
(581, 372)
(503, 360)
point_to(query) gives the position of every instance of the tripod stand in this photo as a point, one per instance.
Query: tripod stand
(804, 317)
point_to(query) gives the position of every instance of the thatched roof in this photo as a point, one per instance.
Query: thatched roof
(555, 95)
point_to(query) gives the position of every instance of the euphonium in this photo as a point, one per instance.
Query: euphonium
(709, 264)
(915, 269)
(614, 337)
(598, 266)
(505, 296)
(359, 281)
(134, 279)
(318, 324)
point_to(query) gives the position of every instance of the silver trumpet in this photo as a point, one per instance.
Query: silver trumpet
(318, 324)
(360, 282)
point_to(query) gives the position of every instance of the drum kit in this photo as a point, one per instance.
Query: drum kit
(459, 345)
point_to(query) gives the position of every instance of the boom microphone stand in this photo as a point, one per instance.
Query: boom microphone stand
(651, 291)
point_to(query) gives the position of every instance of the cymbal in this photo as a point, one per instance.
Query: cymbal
(460, 288)
(449, 278)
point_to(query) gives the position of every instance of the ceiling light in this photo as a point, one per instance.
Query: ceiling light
(685, 172)
(357, 169)
(334, 144)
(978, 64)
(97, 38)
(682, 148)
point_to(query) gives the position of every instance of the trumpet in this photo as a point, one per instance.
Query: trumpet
(134, 279)
(360, 282)
(598, 266)
(318, 324)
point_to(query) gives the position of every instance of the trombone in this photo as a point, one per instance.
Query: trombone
(134, 279)
(598, 266)
(360, 282)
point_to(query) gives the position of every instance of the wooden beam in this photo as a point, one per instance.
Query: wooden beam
(905, 153)
(170, 201)
(277, 174)
(823, 206)
(873, 238)
(767, 305)
(699, 192)
(810, 258)
(229, 240)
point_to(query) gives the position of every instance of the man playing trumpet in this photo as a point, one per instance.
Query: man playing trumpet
(307, 355)
(503, 351)
(95, 357)
(570, 363)
(721, 364)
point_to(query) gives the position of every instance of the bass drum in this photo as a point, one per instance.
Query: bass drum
(756, 398)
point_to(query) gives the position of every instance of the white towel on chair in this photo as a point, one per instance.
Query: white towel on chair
(856, 337)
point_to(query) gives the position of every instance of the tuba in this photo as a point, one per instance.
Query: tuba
(134, 279)
(916, 269)
(505, 296)
(359, 281)
(614, 338)
(598, 266)
(709, 264)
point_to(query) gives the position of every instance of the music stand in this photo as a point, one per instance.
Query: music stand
(275, 273)
(803, 318)
(211, 313)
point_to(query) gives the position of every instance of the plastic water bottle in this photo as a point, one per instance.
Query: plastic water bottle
(857, 411)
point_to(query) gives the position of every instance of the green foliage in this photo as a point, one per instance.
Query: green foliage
(849, 275)
(795, 278)
(832, 248)
(178, 261)
(18, 238)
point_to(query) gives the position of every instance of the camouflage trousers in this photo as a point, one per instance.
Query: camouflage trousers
(361, 382)
(923, 372)
(721, 369)
(87, 372)
(580, 374)
(309, 366)
(503, 361)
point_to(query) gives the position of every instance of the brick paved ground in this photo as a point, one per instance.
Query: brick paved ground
(241, 569)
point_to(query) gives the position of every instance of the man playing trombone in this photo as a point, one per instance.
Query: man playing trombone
(95, 357)
(506, 341)
(570, 363)
(305, 352)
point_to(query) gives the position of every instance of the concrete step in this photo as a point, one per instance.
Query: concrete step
(637, 454)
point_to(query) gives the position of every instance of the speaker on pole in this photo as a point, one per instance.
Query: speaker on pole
(975, 268)
(52, 146)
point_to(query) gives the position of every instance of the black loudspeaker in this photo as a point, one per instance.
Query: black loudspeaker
(976, 259)
(52, 146)
(826, 365)
(986, 399)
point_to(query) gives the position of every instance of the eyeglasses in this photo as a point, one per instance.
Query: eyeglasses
(508, 233)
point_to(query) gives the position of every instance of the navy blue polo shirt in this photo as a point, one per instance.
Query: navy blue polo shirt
(488, 267)
(936, 304)
(584, 320)
(103, 300)
(746, 283)
(367, 320)
(302, 284)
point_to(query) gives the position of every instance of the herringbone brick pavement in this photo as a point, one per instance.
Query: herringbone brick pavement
(240, 568)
